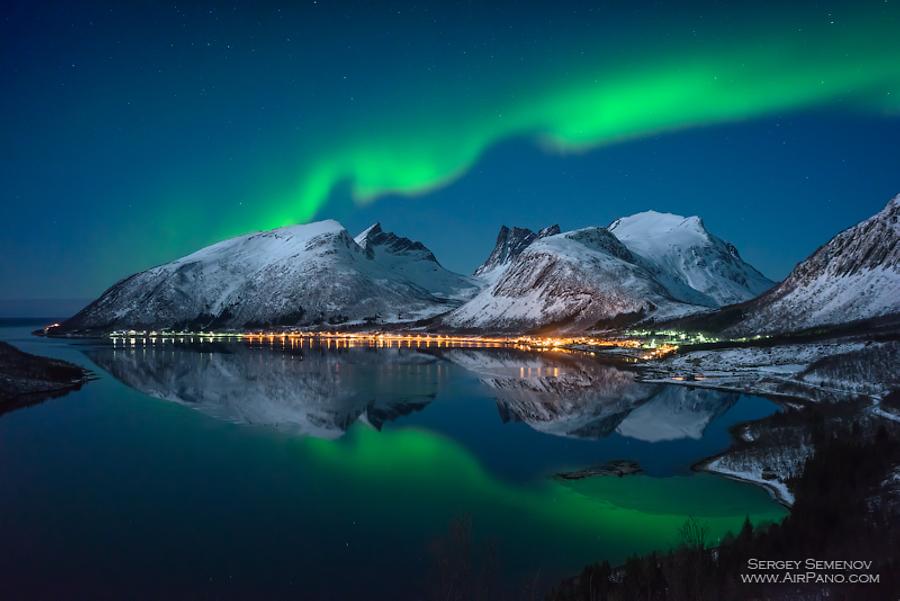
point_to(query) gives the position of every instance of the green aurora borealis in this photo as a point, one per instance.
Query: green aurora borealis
(137, 136)
(136, 133)
(574, 518)
(857, 65)
(207, 497)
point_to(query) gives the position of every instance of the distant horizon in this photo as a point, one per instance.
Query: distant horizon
(41, 308)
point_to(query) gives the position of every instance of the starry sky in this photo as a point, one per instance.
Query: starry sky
(134, 133)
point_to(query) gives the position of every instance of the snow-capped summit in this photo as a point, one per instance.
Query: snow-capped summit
(550, 230)
(298, 275)
(855, 276)
(374, 236)
(415, 262)
(572, 281)
(694, 265)
(651, 264)
(510, 244)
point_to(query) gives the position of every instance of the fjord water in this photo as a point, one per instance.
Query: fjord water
(323, 472)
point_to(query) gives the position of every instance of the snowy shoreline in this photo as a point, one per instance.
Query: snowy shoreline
(776, 488)
(833, 373)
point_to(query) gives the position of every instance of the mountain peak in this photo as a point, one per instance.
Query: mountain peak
(390, 243)
(510, 244)
(312, 228)
(274, 242)
(550, 230)
(303, 230)
(415, 262)
(695, 265)
(363, 236)
(573, 281)
(654, 223)
(891, 211)
(311, 274)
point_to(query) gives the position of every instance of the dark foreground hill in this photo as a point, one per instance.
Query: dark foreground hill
(26, 379)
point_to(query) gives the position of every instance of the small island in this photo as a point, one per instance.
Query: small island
(619, 468)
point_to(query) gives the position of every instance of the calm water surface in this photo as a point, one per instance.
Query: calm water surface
(219, 470)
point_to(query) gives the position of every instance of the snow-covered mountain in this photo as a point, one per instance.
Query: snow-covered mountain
(416, 263)
(510, 244)
(572, 281)
(694, 265)
(300, 275)
(650, 265)
(647, 265)
(856, 275)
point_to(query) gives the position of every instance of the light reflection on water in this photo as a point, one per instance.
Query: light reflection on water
(321, 456)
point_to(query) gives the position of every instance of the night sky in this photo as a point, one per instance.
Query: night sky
(134, 133)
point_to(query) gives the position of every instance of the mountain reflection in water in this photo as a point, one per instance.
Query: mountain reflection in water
(359, 459)
(575, 395)
(321, 392)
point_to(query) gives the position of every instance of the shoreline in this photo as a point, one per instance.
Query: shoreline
(851, 376)
(27, 379)
(774, 380)
(779, 491)
(776, 487)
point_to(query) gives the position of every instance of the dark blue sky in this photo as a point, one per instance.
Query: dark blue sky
(133, 134)
(778, 188)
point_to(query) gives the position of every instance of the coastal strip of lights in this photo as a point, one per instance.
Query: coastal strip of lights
(646, 350)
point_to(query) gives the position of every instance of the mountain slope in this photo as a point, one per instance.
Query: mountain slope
(299, 275)
(695, 266)
(648, 265)
(416, 263)
(572, 281)
(855, 276)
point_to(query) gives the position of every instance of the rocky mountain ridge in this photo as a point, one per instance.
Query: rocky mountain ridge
(854, 276)
(648, 267)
